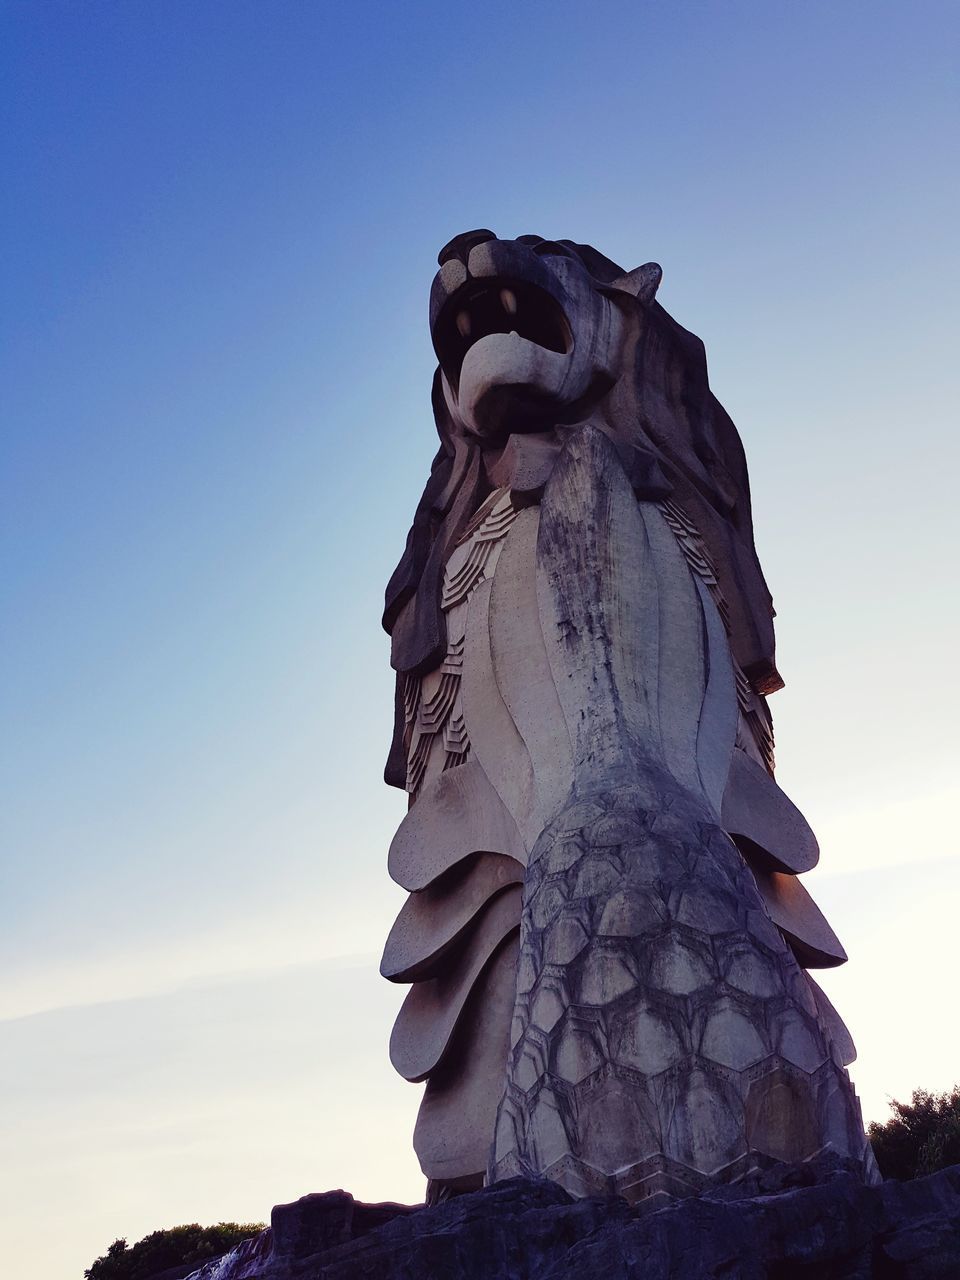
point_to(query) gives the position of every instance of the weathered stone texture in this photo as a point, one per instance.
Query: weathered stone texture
(584, 647)
(664, 1034)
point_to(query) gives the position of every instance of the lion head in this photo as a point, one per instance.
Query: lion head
(534, 338)
(528, 332)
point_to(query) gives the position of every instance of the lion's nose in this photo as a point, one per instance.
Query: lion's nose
(460, 246)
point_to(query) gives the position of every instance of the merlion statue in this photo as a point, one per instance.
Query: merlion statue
(606, 938)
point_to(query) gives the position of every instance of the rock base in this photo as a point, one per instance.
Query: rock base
(814, 1221)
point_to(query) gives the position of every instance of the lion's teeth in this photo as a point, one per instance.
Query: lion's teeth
(509, 300)
(463, 324)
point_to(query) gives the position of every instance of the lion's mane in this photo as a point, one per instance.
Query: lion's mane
(673, 434)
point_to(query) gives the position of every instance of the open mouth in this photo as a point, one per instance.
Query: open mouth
(483, 307)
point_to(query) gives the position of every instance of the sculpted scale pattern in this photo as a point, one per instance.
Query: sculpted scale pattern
(664, 1032)
(755, 733)
(435, 735)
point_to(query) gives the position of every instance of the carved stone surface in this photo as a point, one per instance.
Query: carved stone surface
(606, 938)
(664, 1033)
(810, 1222)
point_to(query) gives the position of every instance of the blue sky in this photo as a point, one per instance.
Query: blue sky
(221, 223)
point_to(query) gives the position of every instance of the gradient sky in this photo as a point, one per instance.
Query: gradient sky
(220, 223)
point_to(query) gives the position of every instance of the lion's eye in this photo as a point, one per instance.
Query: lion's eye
(552, 247)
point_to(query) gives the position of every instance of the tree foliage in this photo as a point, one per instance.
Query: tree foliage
(922, 1135)
(162, 1250)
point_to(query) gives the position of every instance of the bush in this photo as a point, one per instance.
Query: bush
(921, 1136)
(175, 1247)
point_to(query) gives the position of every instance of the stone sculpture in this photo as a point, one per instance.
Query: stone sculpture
(606, 938)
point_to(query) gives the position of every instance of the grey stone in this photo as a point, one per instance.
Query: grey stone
(459, 1108)
(606, 937)
(799, 919)
(755, 808)
(429, 1015)
(434, 920)
(810, 1221)
(460, 816)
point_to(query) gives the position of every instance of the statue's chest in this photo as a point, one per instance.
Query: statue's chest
(435, 734)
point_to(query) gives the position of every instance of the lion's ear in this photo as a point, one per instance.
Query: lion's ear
(642, 282)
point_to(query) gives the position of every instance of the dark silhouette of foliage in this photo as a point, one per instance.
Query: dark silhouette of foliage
(163, 1250)
(922, 1135)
